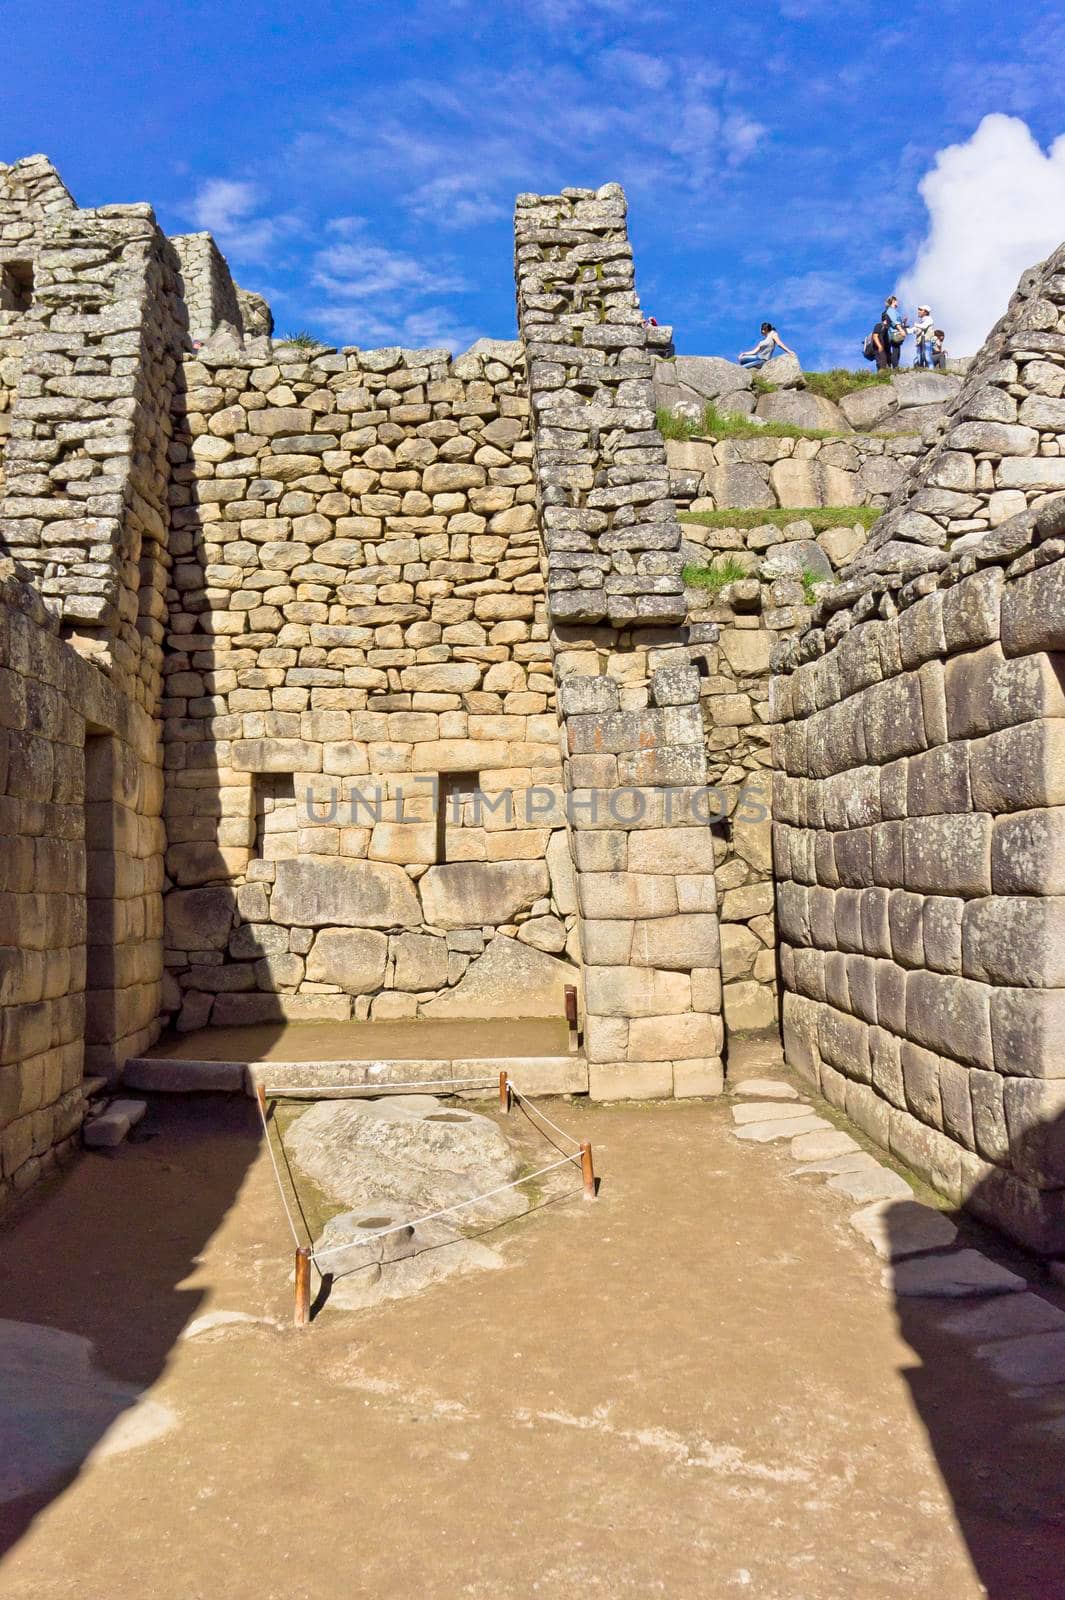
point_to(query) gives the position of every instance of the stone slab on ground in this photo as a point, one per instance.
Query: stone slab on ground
(172, 1075)
(765, 1089)
(903, 1228)
(817, 1146)
(766, 1132)
(375, 1152)
(952, 1276)
(769, 1111)
(476, 1077)
(853, 1161)
(1005, 1317)
(394, 1266)
(1034, 1358)
(871, 1182)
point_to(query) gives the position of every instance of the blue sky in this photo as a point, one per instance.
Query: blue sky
(358, 161)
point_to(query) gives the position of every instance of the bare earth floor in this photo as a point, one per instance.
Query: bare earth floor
(370, 1041)
(696, 1387)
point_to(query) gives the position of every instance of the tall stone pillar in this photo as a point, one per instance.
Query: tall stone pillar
(633, 747)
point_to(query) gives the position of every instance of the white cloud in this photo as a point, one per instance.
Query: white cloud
(374, 295)
(226, 207)
(455, 200)
(996, 205)
(650, 72)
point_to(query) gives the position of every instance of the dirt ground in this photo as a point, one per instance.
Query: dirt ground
(695, 1387)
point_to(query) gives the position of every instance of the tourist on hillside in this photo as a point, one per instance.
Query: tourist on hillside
(878, 344)
(897, 329)
(939, 349)
(923, 333)
(765, 349)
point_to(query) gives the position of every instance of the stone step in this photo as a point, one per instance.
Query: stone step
(535, 1075)
(110, 1127)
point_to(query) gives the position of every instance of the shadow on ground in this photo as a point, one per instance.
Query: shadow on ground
(989, 1387)
(106, 1262)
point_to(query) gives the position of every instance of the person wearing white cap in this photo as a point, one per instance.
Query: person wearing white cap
(924, 333)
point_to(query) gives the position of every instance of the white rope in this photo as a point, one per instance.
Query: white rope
(523, 1099)
(376, 1087)
(430, 1216)
(277, 1173)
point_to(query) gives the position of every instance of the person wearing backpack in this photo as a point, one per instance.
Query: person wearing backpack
(897, 330)
(876, 346)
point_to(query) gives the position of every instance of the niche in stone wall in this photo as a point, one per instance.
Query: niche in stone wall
(276, 815)
(459, 805)
(16, 286)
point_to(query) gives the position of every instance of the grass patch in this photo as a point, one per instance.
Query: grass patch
(715, 424)
(811, 583)
(833, 385)
(301, 339)
(821, 517)
(715, 577)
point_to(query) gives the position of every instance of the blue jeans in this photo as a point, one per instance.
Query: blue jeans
(752, 361)
(924, 355)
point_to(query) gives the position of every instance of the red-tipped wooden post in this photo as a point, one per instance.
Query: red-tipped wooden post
(587, 1170)
(303, 1287)
(260, 1095)
(571, 1014)
(504, 1092)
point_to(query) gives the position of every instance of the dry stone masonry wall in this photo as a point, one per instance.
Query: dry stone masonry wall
(920, 803)
(634, 766)
(363, 773)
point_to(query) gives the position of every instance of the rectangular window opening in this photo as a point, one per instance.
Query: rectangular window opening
(16, 286)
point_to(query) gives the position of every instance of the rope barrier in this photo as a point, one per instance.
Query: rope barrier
(259, 1101)
(305, 1255)
(523, 1100)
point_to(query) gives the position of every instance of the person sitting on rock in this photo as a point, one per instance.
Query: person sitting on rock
(924, 333)
(939, 349)
(765, 349)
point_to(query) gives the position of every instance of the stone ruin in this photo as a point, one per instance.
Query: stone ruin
(348, 685)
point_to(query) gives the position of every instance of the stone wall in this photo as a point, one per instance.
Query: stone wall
(731, 638)
(84, 503)
(634, 764)
(919, 805)
(206, 286)
(80, 880)
(357, 610)
(758, 474)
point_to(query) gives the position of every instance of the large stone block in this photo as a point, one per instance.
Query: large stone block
(1033, 611)
(631, 1080)
(1028, 852)
(676, 1037)
(1020, 768)
(199, 919)
(421, 962)
(627, 894)
(352, 958)
(681, 942)
(1035, 1126)
(509, 980)
(636, 991)
(1015, 940)
(948, 854)
(1028, 1029)
(749, 1007)
(324, 892)
(466, 894)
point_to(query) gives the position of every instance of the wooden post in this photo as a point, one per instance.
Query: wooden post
(571, 1014)
(587, 1170)
(303, 1287)
(504, 1092)
(260, 1095)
